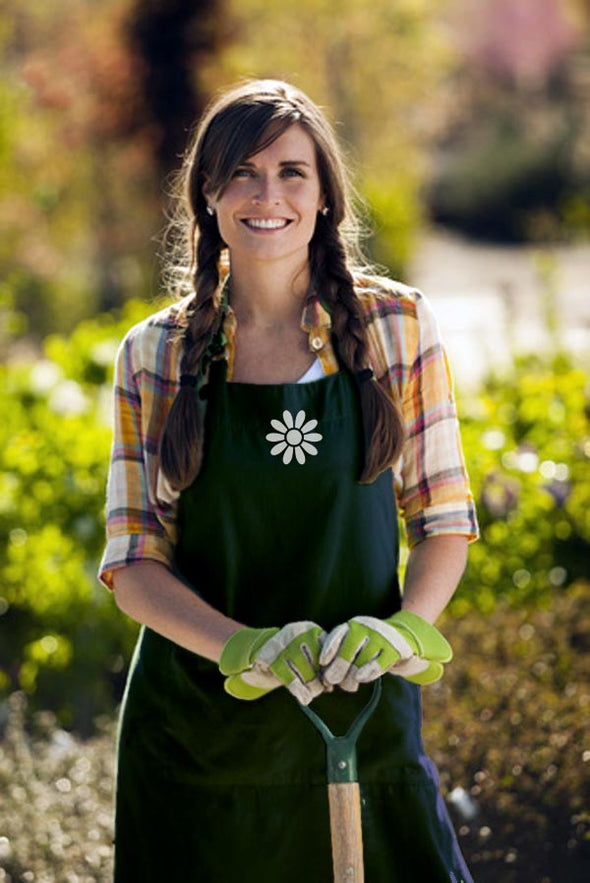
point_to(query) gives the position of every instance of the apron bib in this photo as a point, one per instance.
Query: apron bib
(275, 529)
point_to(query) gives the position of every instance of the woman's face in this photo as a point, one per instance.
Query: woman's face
(268, 211)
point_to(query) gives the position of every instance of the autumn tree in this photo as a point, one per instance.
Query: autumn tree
(78, 183)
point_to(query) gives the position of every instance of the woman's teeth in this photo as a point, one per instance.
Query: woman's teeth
(266, 224)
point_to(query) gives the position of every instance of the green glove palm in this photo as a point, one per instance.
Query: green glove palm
(257, 661)
(365, 648)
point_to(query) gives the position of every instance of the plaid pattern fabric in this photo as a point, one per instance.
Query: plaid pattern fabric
(406, 355)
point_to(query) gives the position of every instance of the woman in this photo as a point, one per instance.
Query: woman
(252, 525)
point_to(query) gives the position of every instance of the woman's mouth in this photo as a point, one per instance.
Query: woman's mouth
(266, 223)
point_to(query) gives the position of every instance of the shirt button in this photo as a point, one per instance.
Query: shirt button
(316, 343)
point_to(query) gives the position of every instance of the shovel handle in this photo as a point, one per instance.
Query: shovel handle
(341, 750)
(344, 793)
(346, 832)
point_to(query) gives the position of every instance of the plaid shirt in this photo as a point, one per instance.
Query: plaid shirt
(405, 353)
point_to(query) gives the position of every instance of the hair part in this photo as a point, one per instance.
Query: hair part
(236, 126)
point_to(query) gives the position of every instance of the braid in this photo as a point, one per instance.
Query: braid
(181, 445)
(204, 309)
(383, 424)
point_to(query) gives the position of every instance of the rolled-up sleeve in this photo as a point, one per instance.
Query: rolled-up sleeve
(135, 531)
(433, 487)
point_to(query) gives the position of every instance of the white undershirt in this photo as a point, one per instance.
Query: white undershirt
(314, 372)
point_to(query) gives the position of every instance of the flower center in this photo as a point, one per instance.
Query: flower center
(293, 437)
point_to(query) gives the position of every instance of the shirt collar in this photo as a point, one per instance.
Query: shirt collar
(315, 320)
(315, 315)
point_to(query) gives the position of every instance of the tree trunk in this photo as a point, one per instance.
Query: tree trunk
(172, 39)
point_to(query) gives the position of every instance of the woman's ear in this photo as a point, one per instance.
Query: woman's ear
(209, 198)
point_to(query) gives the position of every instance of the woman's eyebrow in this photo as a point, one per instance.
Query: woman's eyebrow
(285, 162)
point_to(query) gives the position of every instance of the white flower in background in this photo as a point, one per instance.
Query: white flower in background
(294, 437)
(44, 376)
(67, 398)
(104, 352)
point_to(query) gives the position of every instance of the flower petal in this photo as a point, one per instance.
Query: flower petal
(288, 418)
(276, 424)
(311, 424)
(300, 456)
(275, 436)
(278, 449)
(299, 419)
(313, 437)
(309, 448)
(288, 456)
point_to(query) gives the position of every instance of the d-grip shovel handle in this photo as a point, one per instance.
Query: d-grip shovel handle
(341, 750)
(344, 793)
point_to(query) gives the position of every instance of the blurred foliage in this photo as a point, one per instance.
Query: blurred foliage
(512, 160)
(527, 444)
(78, 190)
(507, 183)
(57, 799)
(507, 729)
(505, 726)
(512, 180)
(60, 635)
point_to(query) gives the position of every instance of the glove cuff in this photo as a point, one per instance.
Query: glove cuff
(425, 639)
(239, 651)
(239, 689)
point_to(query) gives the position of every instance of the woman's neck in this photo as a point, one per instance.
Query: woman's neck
(268, 293)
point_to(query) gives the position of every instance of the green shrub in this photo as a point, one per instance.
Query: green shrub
(527, 445)
(506, 181)
(61, 637)
(394, 218)
(508, 725)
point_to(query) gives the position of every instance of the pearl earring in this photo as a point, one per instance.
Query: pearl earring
(325, 211)
(210, 210)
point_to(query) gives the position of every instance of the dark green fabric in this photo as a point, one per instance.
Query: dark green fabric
(268, 543)
(214, 789)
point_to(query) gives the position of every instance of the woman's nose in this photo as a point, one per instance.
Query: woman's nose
(266, 191)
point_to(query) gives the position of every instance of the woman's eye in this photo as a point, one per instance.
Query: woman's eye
(287, 172)
(292, 172)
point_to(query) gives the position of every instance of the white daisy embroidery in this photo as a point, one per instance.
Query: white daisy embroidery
(293, 436)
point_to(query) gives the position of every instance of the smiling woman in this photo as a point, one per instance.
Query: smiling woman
(268, 210)
(262, 428)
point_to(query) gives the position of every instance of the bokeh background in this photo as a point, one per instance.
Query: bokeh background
(467, 125)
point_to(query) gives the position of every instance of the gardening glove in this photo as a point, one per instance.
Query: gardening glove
(364, 648)
(260, 660)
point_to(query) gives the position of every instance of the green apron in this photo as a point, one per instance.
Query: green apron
(210, 788)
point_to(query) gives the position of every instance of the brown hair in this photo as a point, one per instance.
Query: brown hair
(238, 125)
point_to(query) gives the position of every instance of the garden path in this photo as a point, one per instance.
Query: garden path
(493, 300)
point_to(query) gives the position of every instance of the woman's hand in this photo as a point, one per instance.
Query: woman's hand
(259, 660)
(365, 648)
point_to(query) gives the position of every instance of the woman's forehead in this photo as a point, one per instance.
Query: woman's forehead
(293, 145)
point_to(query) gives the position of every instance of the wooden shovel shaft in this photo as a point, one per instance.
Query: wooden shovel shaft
(343, 792)
(346, 831)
